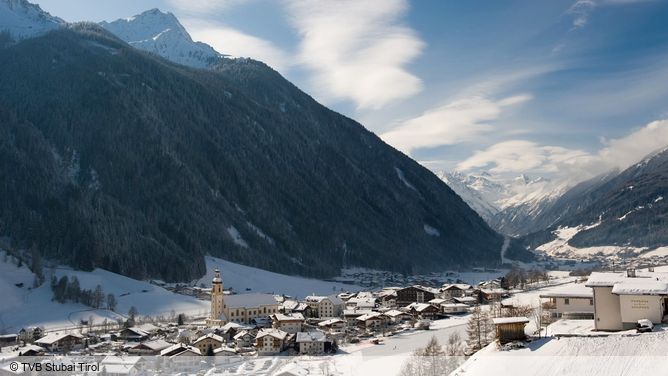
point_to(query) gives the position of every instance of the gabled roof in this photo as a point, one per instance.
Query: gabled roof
(157, 345)
(212, 336)
(395, 313)
(291, 317)
(136, 331)
(330, 322)
(509, 320)
(52, 338)
(456, 286)
(315, 336)
(242, 333)
(276, 333)
(179, 348)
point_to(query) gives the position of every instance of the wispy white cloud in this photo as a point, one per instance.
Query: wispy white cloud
(357, 50)
(580, 11)
(204, 6)
(233, 42)
(521, 156)
(455, 122)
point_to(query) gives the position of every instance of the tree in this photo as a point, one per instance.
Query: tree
(98, 297)
(181, 319)
(209, 351)
(430, 361)
(454, 345)
(478, 330)
(111, 302)
(36, 266)
(132, 313)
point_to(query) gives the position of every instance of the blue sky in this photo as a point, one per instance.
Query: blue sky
(559, 88)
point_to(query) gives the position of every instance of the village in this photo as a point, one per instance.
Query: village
(505, 313)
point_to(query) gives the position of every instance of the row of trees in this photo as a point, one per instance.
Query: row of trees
(518, 277)
(435, 359)
(69, 290)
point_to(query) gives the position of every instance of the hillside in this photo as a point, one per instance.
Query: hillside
(625, 209)
(115, 159)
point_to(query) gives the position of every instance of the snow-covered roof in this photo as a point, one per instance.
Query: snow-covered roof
(356, 312)
(315, 336)
(52, 338)
(601, 279)
(212, 336)
(466, 299)
(276, 333)
(454, 305)
(178, 349)
(419, 306)
(437, 301)
(224, 349)
(456, 286)
(330, 322)
(370, 316)
(509, 320)
(640, 286)
(242, 333)
(575, 290)
(290, 317)
(395, 313)
(317, 299)
(156, 345)
(253, 300)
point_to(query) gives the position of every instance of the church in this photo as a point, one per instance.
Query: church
(239, 308)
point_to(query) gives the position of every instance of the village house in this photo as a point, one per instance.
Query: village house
(570, 302)
(454, 308)
(31, 350)
(211, 340)
(490, 294)
(8, 339)
(351, 315)
(293, 306)
(325, 306)
(183, 358)
(398, 317)
(58, 342)
(510, 329)
(415, 294)
(270, 341)
(332, 325)
(423, 310)
(455, 290)
(311, 342)
(244, 338)
(468, 300)
(288, 323)
(180, 349)
(373, 321)
(132, 334)
(621, 299)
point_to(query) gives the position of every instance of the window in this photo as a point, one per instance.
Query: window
(567, 301)
(591, 301)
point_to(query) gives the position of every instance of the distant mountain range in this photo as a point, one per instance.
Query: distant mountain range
(614, 212)
(511, 206)
(114, 157)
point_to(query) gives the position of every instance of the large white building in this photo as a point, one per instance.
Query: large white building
(621, 299)
(239, 308)
(325, 306)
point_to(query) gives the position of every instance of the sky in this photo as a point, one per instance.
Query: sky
(564, 89)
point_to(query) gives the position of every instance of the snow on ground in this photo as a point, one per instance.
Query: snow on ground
(559, 247)
(240, 278)
(628, 354)
(25, 306)
(658, 252)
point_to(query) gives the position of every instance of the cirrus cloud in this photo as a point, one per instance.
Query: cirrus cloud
(459, 121)
(357, 50)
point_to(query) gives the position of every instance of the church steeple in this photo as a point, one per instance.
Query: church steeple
(216, 296)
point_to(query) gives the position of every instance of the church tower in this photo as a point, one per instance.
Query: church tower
(216, 300)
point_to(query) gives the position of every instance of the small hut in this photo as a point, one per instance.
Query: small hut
(510, 329)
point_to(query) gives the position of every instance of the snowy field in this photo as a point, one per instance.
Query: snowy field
(24, 306)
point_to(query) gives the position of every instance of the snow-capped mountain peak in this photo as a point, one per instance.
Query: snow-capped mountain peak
(162, 34)
(22, 19)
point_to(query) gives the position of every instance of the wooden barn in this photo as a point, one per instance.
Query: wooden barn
(510, 329)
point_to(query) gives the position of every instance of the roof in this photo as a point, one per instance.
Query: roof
(253, 300)
(317, 299)
(466, 299)
(224, 349)
(330, 322)
(454, 305)
(370, 316)
(242, 333)
(178, 349)
(641, 286)
(600, 279)
(136, 331)
(276, 333)
(156, 345)
(419, 306)
(315, 336)
(356, 312)
(395, 313)
(291, 317)
(456, 286)
(575, 290)
(212, 336)
(509, 320)
(52, 338)
(437, 301)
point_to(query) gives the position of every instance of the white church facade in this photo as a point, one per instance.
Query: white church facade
(239, 308)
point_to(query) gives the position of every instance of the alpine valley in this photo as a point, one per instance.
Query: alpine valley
(126, 142)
